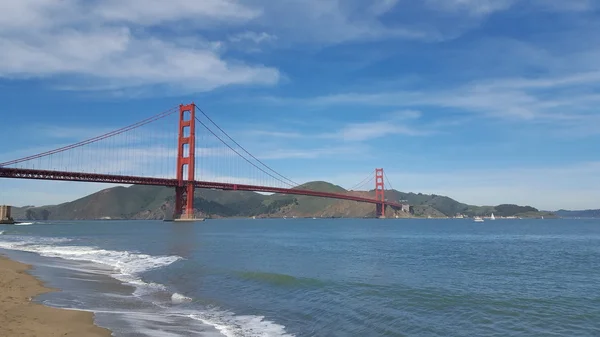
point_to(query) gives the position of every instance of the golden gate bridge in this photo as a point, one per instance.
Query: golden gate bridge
(154, 152)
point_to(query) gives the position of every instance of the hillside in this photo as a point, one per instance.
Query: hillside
(148, 202)
(438, 206)
(588, 213)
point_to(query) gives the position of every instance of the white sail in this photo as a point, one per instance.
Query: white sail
(492, 217)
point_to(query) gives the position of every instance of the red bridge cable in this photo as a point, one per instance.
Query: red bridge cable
(243, 149)
(366, 184)
(364, 181)
(95, 139)
(239, 154)
(388, 181)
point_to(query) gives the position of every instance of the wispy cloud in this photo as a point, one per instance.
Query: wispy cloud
(274, 134)
(70, 132)
(254, 37)
(343, 152)
(152, 12)
(398, 124)
(395, 123)
(556, 99)
(471, 7)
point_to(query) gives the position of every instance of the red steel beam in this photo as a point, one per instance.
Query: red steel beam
(17, 173)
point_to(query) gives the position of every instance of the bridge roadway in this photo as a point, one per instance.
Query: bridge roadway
(19, 173)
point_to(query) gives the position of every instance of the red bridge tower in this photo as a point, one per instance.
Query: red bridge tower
(379, 193)
(186, 156)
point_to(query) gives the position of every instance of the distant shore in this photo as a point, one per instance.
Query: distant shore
(22, 317)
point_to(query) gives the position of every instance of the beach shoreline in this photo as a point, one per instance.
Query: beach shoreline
(21, 316)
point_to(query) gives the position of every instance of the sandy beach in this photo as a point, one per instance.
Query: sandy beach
(21, 317)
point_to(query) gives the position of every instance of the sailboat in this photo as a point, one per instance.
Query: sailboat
(492, 217)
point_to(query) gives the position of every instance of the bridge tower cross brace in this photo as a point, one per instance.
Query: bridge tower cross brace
(379, 193)
(186, 159)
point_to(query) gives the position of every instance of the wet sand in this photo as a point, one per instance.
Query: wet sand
(20, 317)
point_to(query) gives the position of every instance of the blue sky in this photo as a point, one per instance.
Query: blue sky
(486, 101)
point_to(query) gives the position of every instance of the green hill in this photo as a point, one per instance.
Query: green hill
(442, 204)
(322, 186)
(149, 202)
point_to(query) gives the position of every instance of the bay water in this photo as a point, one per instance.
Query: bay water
(321, 277)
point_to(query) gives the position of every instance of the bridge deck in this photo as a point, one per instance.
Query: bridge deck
(18, 173)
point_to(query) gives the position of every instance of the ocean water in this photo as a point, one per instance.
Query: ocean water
(323, 277)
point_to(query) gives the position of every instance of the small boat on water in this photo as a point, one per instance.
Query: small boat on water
(477, 219)
(492, 217)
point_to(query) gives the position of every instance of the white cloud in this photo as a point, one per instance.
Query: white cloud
(103, 48)
(111, 45)
(35, 14)
(154, 12)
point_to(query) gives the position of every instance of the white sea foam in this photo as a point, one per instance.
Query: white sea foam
(178, 298)
(232, 325)
(127, 265)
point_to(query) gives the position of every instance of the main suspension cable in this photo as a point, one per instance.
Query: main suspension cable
(295, 184)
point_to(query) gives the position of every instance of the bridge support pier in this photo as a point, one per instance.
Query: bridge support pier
(186, 160)
(380, 211)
